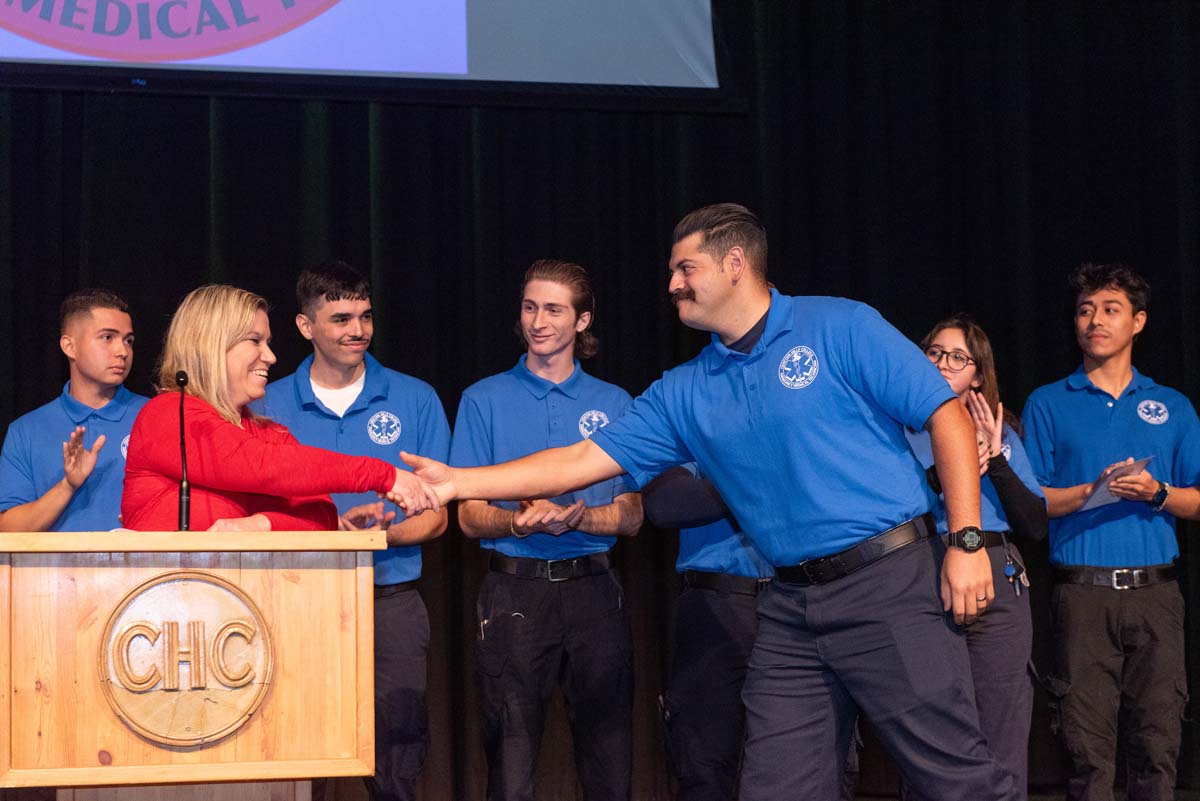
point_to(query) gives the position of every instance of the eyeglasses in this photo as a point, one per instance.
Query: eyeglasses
(956, 361)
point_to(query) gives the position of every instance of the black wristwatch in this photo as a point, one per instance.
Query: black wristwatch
(1160, 498)
(970, 539)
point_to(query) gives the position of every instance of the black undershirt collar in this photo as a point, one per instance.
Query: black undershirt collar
(746, 342)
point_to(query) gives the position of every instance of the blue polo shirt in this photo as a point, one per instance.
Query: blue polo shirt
(394, 412)
(516, 413)
(991, 510)
(31, 461)
(803, 436)
(1074, 429)
(719, 548)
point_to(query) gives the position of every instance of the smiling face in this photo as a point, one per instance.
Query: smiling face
(699, 284)
(1105, 324)
(548, 319)
(248, 361)
(340, 331)
(99, 346)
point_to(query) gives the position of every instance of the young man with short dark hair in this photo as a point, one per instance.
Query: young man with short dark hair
(342, 399)
(1118, 612)
(47, 484)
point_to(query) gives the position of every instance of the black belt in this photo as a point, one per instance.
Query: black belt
(833, 567)
(388, 590)
(1118, 578)
(724, 582)
(556, 570)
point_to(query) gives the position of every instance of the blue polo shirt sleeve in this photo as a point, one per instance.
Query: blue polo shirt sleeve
(471, 445)
(1039, 439)
(434, 442)
(1186, 464)
(1018, 460)
(884, 366)
(16, 469)
(644, 441)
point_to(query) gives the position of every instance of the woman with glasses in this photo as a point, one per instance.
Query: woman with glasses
(999, 642)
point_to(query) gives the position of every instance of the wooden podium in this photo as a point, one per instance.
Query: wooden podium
(147, 658)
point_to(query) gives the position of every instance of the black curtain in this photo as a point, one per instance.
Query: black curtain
(926, 158)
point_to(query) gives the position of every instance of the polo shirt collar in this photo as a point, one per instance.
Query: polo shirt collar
(1078, 380)
(375, 385)
(112, 411)
(539, 387)
(779, 322)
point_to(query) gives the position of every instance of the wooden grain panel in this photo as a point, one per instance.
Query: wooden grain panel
(162, 774)
(316, 718)
(6, 673)
(243, 791)
(364, 655)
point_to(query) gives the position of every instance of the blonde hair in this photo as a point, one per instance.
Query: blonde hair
(209, 321)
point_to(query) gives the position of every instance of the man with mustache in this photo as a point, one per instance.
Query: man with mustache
(796, 413)
(342, 399)
(47, 484)
(1118, 612)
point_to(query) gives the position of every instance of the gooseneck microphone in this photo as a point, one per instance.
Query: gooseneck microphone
(185, 491)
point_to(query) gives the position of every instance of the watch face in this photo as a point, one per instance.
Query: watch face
(972, 539)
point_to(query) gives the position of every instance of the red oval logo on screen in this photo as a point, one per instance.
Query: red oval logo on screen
(155, 30)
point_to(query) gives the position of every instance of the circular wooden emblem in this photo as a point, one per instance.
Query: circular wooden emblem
(185, 658)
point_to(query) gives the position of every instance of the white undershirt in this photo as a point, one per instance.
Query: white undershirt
(339, 400)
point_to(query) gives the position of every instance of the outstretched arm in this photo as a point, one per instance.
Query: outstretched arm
(544, 474)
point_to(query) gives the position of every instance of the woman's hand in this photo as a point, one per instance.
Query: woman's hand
(989, 428)
(251, 523)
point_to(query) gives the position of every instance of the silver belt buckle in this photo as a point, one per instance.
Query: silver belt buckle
(1131, 574)
(567, 563)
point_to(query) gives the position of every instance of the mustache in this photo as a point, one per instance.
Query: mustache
(680, 295)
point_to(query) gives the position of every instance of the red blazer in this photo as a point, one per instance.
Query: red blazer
(259, 468)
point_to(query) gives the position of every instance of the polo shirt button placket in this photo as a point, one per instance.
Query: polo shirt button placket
(753, 401)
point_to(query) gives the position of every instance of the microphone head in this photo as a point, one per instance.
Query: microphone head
(181, 378)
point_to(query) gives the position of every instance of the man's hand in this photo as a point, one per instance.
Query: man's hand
(410, 492)
(366, 517)
(251, 523)
(1139, 487)
(436, 477)
(78, 461)
(547, 517)
(966, 584)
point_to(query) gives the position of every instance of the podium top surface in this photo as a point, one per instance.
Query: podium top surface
(125, 541)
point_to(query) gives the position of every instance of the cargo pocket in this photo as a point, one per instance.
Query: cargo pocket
(678, 761)
(1057, 690)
